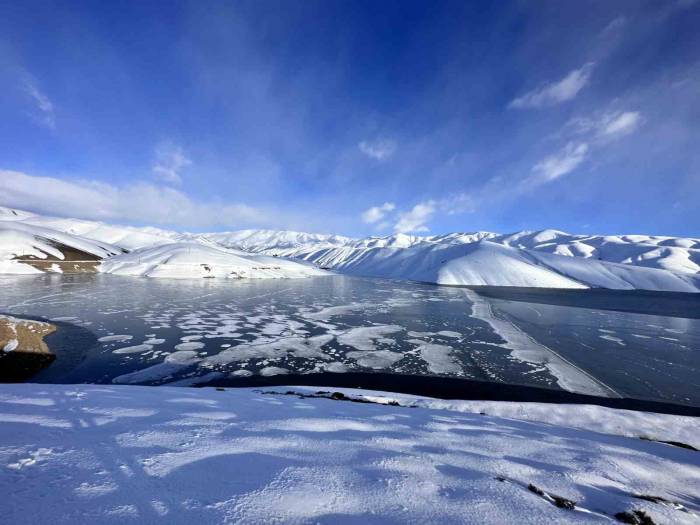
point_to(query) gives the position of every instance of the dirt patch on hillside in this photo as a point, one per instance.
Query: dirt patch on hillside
(74, 261)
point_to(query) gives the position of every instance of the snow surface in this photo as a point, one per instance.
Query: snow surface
(184, 260)
(86, 454)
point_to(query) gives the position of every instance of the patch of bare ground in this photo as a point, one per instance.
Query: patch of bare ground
(74, 260)
(23, 351)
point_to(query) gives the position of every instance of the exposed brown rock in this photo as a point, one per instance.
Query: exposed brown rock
(23, 351)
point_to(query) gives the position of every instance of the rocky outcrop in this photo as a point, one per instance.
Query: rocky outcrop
(23, 351)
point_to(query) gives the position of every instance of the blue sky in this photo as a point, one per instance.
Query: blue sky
(355, 117)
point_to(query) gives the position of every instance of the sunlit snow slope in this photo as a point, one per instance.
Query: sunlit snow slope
(184, 260)
(107, 454)
(126, 237)
(538, 259)
(25, 248)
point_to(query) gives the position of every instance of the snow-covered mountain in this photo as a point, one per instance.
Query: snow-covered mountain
(489, 263)
(31, 243)
(547, 258)
(127, 237)
(274, 242)
(27, 248)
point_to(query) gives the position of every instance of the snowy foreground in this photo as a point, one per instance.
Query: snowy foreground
(111, 454)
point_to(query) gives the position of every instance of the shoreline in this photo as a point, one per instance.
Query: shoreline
(440, 387)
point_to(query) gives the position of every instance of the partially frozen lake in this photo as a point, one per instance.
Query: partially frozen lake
(158, 331)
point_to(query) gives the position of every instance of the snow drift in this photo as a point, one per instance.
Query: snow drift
(107, 454)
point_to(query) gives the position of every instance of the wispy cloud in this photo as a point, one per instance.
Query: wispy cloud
(137, 202)
(43, 107)
(559, 164)
(379, 149)
(377, 213)
(583, 138)
(415, 219)
(556, 92)
(614, 26)
(170, 160)
(606, 126)
(592, 133)
(619, 124)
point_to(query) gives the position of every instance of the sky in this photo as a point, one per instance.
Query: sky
(355, 117)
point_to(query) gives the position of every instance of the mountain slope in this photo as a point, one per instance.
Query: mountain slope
(273, 241)
(488, 263)
(26, 248)
(548, 258)
(184, 260)
(32, 243)
(127, 237)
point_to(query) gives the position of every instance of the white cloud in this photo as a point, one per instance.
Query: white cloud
(619, 124)
(377, 213)
(169, 162)
(45, 110)
(134, 203)
(459, 203)
(606, 126)
(415, 219)
(615, 25)
(379, 149)
(556, 92)
(559, 164)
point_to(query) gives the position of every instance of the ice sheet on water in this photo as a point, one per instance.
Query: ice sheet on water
(524, 348)
(115, 338)
(273, 371)
(377, 359)
(192, 345)
(135, 349)
(440, 358)
(173, 363)
(365, 337)
(326, 313)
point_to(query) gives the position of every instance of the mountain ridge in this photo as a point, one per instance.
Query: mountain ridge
(542, 258)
